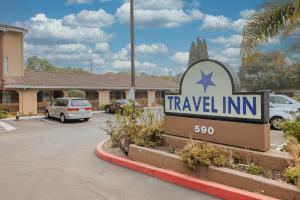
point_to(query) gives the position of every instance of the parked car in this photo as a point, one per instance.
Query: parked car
(69, 108)
(118, 105)
(279, 114)
(284, 101)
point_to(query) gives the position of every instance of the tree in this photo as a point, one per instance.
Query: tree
(36, 63)
(76, 93)
(275, 18)
(42, 64)
(266, 71)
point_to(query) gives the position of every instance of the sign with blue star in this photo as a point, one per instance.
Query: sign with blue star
(205, 80)
(210, 89)
(210, 106)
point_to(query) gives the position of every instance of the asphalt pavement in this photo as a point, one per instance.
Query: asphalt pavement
(46, 160)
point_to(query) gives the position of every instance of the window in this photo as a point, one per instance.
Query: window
(5, 65)
(61, 102)
(279, 100)
(117, 95)
(79, 102)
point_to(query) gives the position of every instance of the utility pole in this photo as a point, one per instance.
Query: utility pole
(132, 89)
(91, 61)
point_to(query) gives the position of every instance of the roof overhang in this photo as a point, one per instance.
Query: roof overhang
(80, 87)
(8, 28)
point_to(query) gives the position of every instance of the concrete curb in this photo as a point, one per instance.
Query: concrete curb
(25, 117)
(211, 188)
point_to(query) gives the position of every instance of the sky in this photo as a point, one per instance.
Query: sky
(71, 32)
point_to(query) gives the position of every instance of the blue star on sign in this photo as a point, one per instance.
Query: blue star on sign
(206, 80)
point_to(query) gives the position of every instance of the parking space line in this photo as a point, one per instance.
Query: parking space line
(51, 122)
(6, 126)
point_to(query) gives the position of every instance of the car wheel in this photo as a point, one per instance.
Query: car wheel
(47, 114)
(276, 123)
(107, 109)
(62, 118)
(86, 119)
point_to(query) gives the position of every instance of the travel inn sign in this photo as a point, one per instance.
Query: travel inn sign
(209, 90)
(210, 107)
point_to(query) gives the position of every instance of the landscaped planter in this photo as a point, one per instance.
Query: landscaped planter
(225, 176)
(271, 159)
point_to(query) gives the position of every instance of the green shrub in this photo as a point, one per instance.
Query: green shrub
(76, 93)
(114, 131)
(204, 154)
(292, 175)
(293, 148)
(292, 128)
(3, 114)
(254, 169)
(139, 132)
(148, 135)
(102, 107)
(297, 97)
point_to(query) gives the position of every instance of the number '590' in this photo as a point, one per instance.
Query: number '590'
(204, 129)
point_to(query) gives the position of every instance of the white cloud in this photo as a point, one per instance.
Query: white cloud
(211, 22)
(56, 49)
(76, 54)
(158, 4)
(233, 40)
(146, 65)
(231, 52)
(126, 64)
(247, 13)
(89, 18)
(272, 41)
(146, 49)
(79, 1)
(180, 57)
(42, 28)
(215, 22)
(101, 47)
(158, 13)
(152, 48)
(122, 54)
(230, 56)
(238, 24)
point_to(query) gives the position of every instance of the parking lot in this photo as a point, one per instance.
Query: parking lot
(45, 159)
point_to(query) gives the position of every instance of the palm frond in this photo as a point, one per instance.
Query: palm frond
(268, 23)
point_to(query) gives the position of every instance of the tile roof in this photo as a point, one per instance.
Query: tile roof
(39, 79)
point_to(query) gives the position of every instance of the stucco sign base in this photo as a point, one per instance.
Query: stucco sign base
(244, 135)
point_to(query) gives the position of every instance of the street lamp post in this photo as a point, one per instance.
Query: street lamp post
(132, 89)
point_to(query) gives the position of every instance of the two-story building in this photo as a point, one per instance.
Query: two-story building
(28, 92)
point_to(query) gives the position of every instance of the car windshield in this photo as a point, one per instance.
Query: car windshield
(79, 102)
(273, 105)
(281, 100)
(292, 100)
(122, 101)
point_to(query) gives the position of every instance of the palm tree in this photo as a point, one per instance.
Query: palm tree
(276, 18)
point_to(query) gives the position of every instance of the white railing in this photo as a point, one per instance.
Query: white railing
(152, 114)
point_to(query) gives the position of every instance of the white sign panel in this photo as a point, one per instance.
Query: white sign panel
(208, 90)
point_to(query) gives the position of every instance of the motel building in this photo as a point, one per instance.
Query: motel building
(29, 92)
